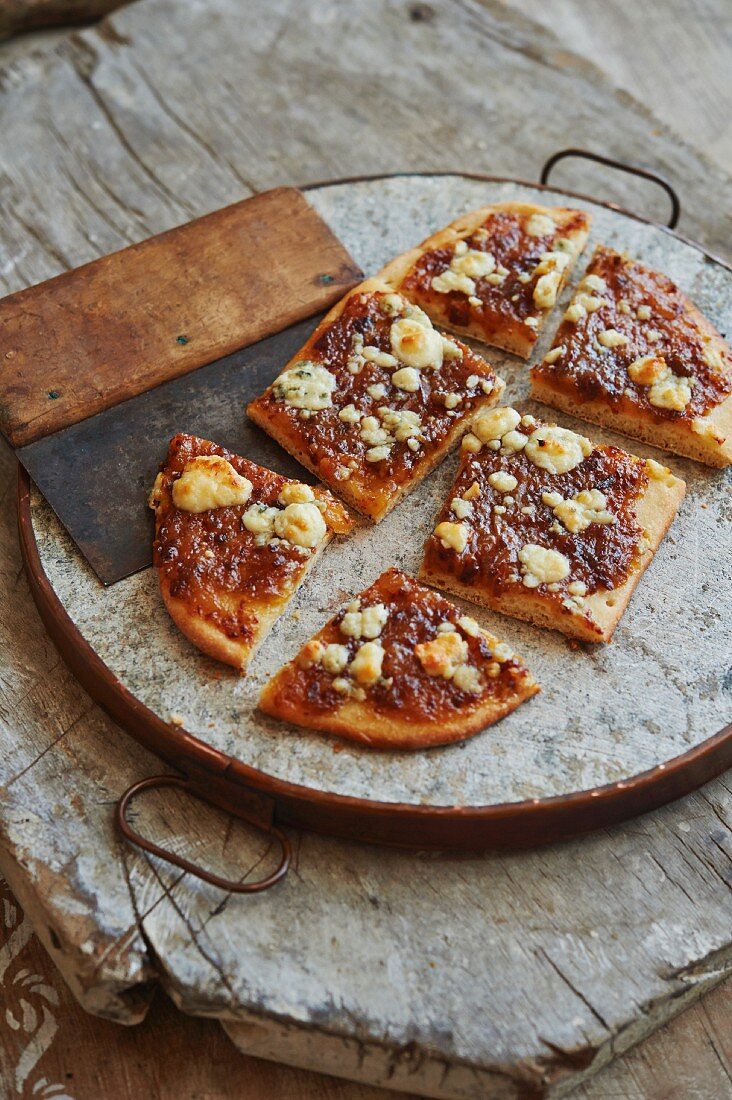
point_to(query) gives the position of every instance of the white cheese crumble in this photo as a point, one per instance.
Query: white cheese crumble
(334, 658)
(671, 391)
(349, 414)
(461, 508)
(557, 450)
(540, 225)
(415, 344)
(577, 513)
(502, 481)
(643, 313)
(367, 664)
(453, 536)
(209, 481)
(556, 353)
(611, 338)
(295, 493)
(378, 357)
(364, 624)
(496, 423)
(305, 385)
(667, 390)
(301, 524)
(542, 566)
(407, 379)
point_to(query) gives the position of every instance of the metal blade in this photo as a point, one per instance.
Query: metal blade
(97, 474)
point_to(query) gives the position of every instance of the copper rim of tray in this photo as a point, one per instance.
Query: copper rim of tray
(262, 800)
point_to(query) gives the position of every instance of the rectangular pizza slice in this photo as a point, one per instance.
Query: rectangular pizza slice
(233, 541)
(494, 274)
(635, 354)
(399, 667)
(545, 525)
(376, 398)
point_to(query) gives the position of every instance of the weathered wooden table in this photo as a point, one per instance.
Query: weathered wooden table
(494, 976)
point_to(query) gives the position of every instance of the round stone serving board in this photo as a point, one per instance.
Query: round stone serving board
(605, 713)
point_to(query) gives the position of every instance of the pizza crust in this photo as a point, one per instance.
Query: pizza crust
(706, 439)
(213, 641)
(357, 721)
(259, 613)
(375, 503)
(414, 615)
(655, 511)
(514, 336)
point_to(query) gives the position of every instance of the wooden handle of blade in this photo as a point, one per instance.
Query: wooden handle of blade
(90, 338)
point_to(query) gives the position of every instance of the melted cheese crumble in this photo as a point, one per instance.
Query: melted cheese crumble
(301, 524)
(364, 624)
(611, 338)
(415, 344)
(453, 536)
(557, 450)
(305, 385)
(209, 481)
(542, 566)
(578, 512)
(296, 493)
(540, 225)
(367, 664)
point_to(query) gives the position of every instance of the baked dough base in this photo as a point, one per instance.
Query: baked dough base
(602, 610)
(513, 336)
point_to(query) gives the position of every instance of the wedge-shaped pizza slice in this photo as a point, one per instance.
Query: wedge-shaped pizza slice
(634, 353)
(399, 668)
(494, 274)
(233, 541)
(546, 526)
(376, 398)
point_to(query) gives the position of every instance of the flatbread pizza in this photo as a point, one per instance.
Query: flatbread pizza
(376, 398)
(233, 541)
(544, 525)
(399, 667)
(635, 354)
(494, 274)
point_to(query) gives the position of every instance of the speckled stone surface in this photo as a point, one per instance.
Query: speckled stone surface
(604, 714)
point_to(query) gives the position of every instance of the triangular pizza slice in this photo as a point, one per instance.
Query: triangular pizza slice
(634, 353)
(545, 525)
(376, 398)
(233, 541)
(400, 667)
(494, 274)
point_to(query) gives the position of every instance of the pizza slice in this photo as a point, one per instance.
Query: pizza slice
(233, 541)
(399, 668)
(634, 353)
(494, 274)
(544, 525)
(376, 398)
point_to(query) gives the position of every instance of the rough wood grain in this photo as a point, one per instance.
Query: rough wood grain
(673, 55)
(93, 337)
(558, 959)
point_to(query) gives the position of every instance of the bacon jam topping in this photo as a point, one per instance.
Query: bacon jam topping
(227, 528)
(632, 338)
(406, 650)
(375, 394)
(503, 276)
(539, 507)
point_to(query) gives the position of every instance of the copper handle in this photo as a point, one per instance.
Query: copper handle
(157, 781)
(631, 169)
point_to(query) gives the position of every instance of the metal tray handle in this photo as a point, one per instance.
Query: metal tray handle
(631, 169)
(158, 781)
